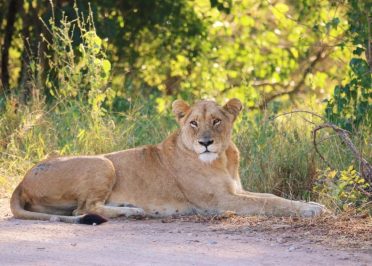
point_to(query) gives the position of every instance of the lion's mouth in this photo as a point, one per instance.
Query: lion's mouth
(207, 151)
(208, 156)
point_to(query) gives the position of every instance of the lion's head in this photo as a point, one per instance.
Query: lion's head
(206, 127)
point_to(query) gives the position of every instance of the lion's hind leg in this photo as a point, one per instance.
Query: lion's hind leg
(97, 212)
(113, 212)
(96, 204)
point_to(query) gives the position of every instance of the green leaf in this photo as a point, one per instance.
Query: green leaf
(106, 66)
(283, 8)
(358, 51)
(359, 66)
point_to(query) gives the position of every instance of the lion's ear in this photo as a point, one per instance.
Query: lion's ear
(233, 106)
(179, 108)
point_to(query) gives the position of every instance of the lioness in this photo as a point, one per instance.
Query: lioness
(194, 170)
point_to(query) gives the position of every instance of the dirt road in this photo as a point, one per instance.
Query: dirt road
(153, 242)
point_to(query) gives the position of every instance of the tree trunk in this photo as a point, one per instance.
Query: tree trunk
(9, 30)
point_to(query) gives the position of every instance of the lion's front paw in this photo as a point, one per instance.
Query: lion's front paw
(312, 209)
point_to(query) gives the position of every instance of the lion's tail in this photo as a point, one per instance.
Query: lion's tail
(17, 206)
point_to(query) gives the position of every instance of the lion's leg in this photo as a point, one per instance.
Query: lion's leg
(255, 194)
(253, 205)
(112, 212)
(239, 190)
(95, 203)
(97, 193)
(50, 209)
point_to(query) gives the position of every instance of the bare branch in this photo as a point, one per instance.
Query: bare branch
(317, 150)
(369, 48)
(262, 83)
(366, 168)
(298, 111)
(320, 55)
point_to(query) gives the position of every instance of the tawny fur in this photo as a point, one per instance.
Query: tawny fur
(160, 180)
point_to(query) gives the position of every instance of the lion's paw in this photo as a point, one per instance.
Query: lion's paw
(312, 209)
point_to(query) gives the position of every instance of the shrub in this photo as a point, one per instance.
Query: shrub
(341, 189)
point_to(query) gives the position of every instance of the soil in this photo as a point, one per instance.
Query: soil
(223, 240)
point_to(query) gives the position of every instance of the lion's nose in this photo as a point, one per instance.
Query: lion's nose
(205, 142)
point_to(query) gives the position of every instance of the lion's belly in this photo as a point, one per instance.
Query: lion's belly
(156, 208)
(143, 181)
(155, 203)
(155, 199)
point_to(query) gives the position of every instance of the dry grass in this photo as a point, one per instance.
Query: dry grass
(345, 231)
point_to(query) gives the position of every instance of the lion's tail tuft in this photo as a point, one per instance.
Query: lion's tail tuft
(92, 219)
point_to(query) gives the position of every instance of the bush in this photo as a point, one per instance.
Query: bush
(341, 189)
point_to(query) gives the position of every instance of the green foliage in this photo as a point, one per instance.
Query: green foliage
(77, 73)
(262, 52)
(341, 188)
(350, 105)
(218, 49)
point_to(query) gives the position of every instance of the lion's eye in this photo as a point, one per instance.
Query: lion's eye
(216, 122)
(194, 123)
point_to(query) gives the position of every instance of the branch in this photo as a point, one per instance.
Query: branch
(368, 51)
(318, 57)
(366, 168)
(298, 111)
(267, 83)
(317, 150)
